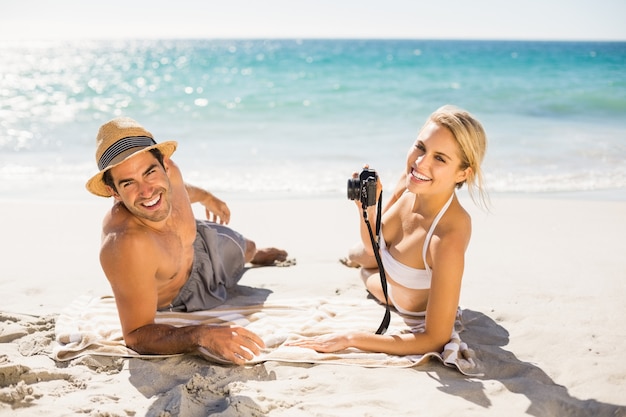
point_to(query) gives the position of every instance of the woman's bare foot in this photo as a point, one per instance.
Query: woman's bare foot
(349, 263)
(359, 256)
(268, 256)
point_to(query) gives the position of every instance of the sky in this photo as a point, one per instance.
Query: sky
(411, 19)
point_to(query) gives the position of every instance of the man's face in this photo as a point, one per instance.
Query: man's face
(143, 186)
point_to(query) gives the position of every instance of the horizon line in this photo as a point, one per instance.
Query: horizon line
(297, 38)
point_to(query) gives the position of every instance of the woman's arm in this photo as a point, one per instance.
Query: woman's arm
(447, 253)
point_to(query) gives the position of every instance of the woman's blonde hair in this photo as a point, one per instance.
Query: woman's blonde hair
(472, 140)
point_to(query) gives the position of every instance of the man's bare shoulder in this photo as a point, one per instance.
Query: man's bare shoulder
(121, 232)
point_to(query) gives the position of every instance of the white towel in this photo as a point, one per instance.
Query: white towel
(90, 326)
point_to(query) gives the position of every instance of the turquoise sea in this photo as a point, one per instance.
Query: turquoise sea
(294, 118)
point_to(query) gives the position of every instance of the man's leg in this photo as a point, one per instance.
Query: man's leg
(264, 256)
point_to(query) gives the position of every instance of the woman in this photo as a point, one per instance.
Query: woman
(424, 234)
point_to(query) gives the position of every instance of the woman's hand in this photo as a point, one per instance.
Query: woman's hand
(379, 187)
(324, 344)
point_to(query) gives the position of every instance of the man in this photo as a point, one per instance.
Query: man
(157, 256)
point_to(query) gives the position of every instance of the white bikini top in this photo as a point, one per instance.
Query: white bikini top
(406, 276)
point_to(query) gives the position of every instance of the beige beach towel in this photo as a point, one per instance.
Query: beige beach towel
(90, 326)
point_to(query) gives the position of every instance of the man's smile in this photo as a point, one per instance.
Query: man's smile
(153, 202)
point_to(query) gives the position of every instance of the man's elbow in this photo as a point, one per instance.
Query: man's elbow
(133, 342)
(156, 340)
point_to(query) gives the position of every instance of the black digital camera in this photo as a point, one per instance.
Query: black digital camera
(363, 188)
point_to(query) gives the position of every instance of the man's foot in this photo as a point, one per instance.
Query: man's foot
(268, 257)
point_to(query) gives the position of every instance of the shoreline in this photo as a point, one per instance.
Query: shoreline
(542, 295)
(83, 197)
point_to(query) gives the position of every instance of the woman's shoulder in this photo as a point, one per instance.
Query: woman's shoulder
(456, 223)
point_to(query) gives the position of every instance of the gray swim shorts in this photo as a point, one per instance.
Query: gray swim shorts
(218, 265)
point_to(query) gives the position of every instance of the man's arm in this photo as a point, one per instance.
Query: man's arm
(233, 343)
(216, 210)
(135, 288)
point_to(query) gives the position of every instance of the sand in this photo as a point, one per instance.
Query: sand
(542, 296)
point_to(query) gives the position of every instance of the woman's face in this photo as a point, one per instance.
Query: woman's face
(434, 162)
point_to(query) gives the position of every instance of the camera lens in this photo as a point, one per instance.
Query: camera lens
(354, 189)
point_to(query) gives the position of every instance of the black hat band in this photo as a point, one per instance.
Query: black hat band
(123, 145)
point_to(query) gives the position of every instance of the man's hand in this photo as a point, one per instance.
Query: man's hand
(233, 343)
(216, 210)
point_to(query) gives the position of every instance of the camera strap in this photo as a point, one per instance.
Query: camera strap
(384, 325)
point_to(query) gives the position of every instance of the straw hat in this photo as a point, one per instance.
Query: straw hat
(117, 141)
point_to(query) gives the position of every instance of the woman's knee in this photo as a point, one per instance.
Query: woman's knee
(373, 284)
